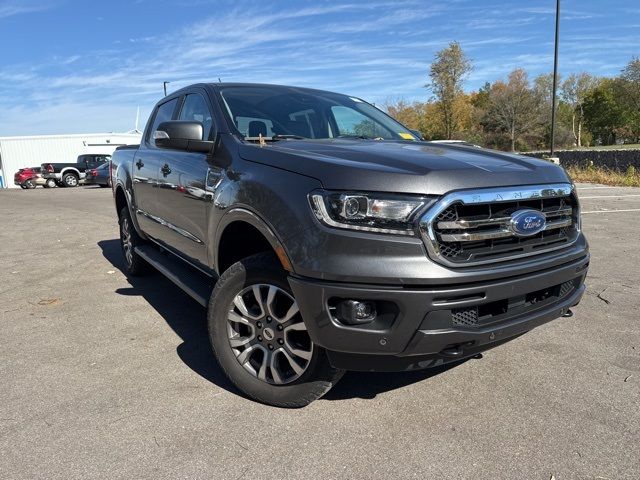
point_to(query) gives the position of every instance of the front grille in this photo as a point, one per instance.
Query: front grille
(467, 228)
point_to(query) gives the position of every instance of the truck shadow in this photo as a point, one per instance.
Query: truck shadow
(188, 320)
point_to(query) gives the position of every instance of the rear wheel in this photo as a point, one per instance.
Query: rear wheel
(29, 184)
(260, 338)
(50, 183)
(129, 240)
(70, 180)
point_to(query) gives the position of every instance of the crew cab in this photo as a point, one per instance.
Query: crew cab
(70, 174)
(321, 235)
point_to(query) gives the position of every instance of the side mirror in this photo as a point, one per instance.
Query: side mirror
(182, 135)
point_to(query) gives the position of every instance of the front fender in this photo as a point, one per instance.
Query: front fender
(242, 214)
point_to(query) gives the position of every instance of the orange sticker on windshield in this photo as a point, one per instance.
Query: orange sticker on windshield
(406, 136)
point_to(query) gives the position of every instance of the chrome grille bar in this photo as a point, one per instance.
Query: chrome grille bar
(448, 233)
(464, 223)
(499, 233)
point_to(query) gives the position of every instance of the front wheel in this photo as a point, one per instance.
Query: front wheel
(29, 184)
(260, 338)
(50, 183)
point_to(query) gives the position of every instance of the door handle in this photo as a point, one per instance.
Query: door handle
(165, 169)
(139, 164)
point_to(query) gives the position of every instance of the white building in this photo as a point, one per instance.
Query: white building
(20, 152)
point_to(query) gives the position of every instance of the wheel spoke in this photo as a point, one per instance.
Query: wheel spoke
(238, 301)
(305, 354)
(293, 310)
(262, 373)
(296, 368)
(270, 297)
(240, 341)
(258, 295)
(300, 327)
(234, 317)
(274, 369)
(245, 355)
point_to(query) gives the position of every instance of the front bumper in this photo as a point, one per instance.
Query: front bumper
(422, 331)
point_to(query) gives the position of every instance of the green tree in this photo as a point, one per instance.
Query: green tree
(448, 71)
(603, 114)
(574, 91)
(628, 95)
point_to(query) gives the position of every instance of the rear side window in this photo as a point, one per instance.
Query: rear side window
(195, 109)
(163, 114)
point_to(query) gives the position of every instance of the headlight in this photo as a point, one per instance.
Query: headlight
(367, 212)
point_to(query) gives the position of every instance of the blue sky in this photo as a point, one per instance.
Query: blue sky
(85, 66)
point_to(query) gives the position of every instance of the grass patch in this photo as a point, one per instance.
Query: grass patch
(591, 174)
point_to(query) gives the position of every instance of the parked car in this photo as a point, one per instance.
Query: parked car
(98, 176)
(330, 238)
(70, 174)
(30, 177)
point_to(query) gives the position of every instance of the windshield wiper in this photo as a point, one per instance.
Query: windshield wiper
(362, 137)
(274, 138)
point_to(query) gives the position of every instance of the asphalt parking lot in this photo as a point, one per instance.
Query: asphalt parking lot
(108, 377)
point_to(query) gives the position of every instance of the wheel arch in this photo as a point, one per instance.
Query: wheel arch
(242, 233)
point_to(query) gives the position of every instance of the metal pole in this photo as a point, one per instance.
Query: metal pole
(555, 80)
(164, 85)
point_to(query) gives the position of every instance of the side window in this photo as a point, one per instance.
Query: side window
(163, 114)
(352, 122)
(195, 109)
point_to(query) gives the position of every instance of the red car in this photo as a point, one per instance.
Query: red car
(30, 177)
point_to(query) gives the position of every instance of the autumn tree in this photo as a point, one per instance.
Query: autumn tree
(448, 71)
(513, 106)
(574, 91)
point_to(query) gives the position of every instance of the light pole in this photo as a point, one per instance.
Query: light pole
(164, 85)
(555, 80)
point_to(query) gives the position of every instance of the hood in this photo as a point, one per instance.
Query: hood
(403, 167)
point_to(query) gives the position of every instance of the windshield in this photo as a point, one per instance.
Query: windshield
(283, 112)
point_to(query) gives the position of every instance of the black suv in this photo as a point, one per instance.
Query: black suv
(324, 236)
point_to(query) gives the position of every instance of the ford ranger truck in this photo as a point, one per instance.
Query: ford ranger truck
(321, 236)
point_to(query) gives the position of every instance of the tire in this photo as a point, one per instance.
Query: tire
(129, 240)
(70, 180)
(28, 184)
(266, 372)
(50, 183)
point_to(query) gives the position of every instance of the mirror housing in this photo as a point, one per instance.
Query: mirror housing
(182, 135)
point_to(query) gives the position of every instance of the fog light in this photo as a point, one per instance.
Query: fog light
(355, 311)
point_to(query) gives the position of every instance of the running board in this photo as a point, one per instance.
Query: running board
(195, 284)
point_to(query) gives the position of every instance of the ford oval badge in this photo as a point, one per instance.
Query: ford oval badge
(525, 223)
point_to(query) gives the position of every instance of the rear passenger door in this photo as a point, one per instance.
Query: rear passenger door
(146, 166)
(185, 184)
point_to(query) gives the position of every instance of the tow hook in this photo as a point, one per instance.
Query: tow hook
(452, 352)
(567, 314)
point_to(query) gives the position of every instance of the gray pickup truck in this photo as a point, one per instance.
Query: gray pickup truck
(323, 236)
(70, 174)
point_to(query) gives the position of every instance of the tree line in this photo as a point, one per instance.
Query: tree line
(515, 113)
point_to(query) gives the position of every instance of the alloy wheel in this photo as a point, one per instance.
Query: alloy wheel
(127, 245)
(267, 334)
